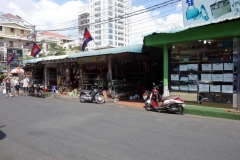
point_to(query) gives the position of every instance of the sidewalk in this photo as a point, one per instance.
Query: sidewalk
(189, 109)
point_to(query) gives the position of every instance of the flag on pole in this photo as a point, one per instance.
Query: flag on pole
(35, 49)
(10, 58)
(87, 38)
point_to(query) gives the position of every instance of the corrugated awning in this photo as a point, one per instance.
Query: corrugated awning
(133, 49)
(35, 60)
(175, 30)
(55, 57)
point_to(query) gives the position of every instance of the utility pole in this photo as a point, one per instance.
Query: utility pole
(34, 33)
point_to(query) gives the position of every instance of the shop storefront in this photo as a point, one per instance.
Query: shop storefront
(201, 64)
(120, 71)
(59, 71)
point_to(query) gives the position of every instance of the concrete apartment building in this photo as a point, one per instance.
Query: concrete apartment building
(50, 37)
(106, 23)
(13, 39)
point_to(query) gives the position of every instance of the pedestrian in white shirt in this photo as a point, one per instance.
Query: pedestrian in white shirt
(17, 86)
(25, 83)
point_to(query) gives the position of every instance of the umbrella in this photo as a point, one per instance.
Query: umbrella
(17, 70)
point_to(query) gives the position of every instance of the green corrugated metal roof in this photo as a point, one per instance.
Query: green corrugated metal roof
(35, 60)
(133, 48)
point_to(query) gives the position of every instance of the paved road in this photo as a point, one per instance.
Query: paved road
(58, 129)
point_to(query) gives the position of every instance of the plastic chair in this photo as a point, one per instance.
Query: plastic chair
(54, 88)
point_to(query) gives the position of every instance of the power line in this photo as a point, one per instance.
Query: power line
(118, 18)
(141, 2)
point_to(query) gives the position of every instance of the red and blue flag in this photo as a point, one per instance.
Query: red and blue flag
(87, 38)
(35, 49)
(10, 58)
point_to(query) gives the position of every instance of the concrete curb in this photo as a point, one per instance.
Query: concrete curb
(58, 96)
(190, 109)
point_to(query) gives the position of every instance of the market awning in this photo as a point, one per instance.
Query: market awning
(128, 49)
(55, 57)
(223, 29)
(3, 71)
(35, 60)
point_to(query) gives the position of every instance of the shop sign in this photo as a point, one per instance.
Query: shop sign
(17, 53)
(92, 59)
(196, 11)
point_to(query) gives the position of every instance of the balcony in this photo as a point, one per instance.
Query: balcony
(120, 28)
(83, 22)
(27, 47)
(120, 39)
(120, 34)
(83, 17)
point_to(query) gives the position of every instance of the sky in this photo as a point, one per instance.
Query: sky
(55, 14)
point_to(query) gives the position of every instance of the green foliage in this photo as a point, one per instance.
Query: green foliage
(54, 49)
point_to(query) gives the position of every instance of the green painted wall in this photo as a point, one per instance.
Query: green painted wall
(224, 29)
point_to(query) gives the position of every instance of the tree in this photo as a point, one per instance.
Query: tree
(55, 49)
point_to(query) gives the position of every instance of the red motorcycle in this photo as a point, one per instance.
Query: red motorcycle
(154, 101)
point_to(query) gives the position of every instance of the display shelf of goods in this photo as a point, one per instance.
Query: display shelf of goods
(52, 76)
(133, 77)
(88, 78)
(184, 57)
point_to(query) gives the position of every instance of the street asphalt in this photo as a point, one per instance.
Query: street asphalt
(64, 129)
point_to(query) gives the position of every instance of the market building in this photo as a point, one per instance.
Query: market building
(201, 64)
(122, 71)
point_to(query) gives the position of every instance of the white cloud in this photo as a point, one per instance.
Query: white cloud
(45, 14)
(150, 22)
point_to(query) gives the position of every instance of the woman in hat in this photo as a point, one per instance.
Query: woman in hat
(7, 86)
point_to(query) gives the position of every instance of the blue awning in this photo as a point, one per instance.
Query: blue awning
(3, 71)
(128, 49)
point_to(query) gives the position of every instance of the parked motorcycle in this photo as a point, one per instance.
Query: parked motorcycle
(93, 95)
(156, 102)
(36, 90)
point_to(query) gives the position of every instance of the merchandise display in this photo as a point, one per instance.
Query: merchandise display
(203, 68)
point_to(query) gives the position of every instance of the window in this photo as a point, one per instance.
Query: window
(110, 42)
(98, 37)
(110, 36)
(98, 32)
(110, 13)
(98, 26)
(12, 30)
(110, 31)
(22, 31)
(0, 28)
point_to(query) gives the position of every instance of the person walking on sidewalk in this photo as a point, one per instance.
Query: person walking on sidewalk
(25, 82)
(17, 86)
(7, 86)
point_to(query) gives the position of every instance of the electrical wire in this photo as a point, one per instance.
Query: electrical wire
(133, 12)
(141, 2)
(118, 18)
